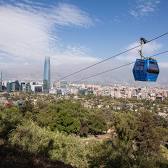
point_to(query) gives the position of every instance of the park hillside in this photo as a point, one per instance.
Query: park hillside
(83, 132)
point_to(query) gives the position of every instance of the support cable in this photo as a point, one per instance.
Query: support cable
(121, 66)
(123, 52)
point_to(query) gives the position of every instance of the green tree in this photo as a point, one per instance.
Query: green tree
(136, 144)
(9, 119)
(66, 116)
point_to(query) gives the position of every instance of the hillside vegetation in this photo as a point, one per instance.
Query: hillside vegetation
(65, 131)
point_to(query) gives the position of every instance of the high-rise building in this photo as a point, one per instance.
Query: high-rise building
(46, 75)
(9, 87)
(13, 86)
(28, 87)
(23, 86)
(1, 83)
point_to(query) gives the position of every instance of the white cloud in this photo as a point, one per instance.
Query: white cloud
(23, 34)
(73, 55)
(62, 14)
(66, 14)
(26, 32)
(144, 7)
(148, 50)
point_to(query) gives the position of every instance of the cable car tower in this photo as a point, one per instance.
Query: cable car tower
(145, 68)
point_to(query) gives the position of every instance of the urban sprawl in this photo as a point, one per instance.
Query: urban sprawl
(64, 88)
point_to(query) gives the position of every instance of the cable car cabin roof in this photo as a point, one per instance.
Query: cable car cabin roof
(146, 70)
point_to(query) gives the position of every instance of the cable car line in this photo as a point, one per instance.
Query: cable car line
(123, 52)
(145, 68)
(119, 67)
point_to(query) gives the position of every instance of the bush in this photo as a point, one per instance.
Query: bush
(66, 116)
(9, 119)
(56, 145)
(137, 143)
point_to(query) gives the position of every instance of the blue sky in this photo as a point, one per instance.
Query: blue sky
(77, 33)
(115, 26)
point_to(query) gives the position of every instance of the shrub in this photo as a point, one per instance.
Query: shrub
(136, 144)
(9, 119)
(56, 145)
(66, 116)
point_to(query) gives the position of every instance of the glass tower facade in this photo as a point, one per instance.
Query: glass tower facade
(1, 83)
(46, 75)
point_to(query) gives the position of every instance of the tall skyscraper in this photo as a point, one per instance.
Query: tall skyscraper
(46, 75)
(1, 83)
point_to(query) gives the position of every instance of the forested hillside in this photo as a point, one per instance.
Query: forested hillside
(64, 132)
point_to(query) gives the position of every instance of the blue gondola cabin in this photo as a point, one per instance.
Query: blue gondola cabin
(146, 69)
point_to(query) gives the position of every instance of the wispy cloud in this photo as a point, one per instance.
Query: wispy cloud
(66, 14)
(144, 7)
(148, 50)
(26, 31)
(23, 34)
(61, 14)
